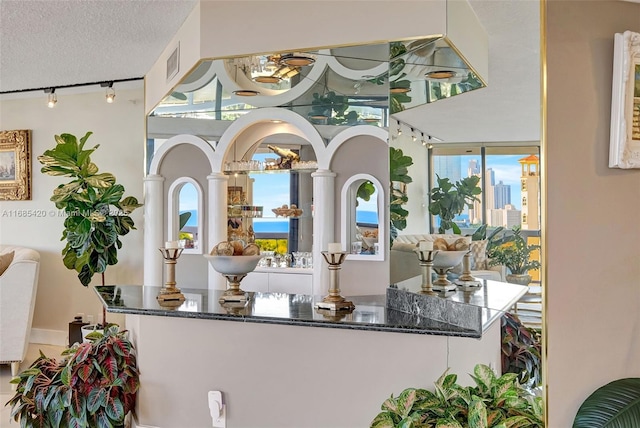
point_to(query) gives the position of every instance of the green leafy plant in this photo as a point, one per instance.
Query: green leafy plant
(333, 107)
(398, 85)
(95, 385)
(97, 213)
(448, 200)
(492, 402)
(614, 405)
(521, 351)
(399, 176)
(514, 252)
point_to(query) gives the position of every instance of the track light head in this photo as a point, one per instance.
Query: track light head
(52, 98)
(110, 93)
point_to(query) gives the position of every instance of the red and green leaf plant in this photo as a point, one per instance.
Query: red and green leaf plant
(95, 385)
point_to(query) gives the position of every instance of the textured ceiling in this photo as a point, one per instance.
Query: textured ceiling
(45, 43)
(61, 42)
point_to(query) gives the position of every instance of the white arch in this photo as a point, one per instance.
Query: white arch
(343, 136)
(293, 123)
(351, 73)
(347, 218)
(203, 80)
(268, 97)
(175, 141)
(173, 208)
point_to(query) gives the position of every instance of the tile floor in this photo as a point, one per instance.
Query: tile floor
(5, 376)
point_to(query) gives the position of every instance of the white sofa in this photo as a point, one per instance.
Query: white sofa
(404, 261)
(18, 285)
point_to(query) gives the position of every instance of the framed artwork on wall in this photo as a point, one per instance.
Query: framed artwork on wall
(624, 142)
(15, 165)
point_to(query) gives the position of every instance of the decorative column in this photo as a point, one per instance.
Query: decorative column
(153, 229)
(323, 225)
(216, 224)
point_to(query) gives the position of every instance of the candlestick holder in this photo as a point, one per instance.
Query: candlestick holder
(170, 295)
(466, 280)
(426, 264)
(334, 301)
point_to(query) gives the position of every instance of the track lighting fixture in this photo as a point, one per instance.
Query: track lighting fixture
(413, 135)
(399, 129)
(110, 92)
(52, 98)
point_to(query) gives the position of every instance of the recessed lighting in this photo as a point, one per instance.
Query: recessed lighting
(399, 90)
(266, 79)
(296, 60)
(440, 74)
(318, 117)
(246, 93)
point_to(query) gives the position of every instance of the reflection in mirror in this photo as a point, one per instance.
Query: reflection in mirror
(185, 214)
(427, 70)
(363, 219)
(345, 86)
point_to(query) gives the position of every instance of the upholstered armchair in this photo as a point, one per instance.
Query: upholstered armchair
(404, 262)
(18, 285)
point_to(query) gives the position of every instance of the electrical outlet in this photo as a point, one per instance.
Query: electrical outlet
(217, 409)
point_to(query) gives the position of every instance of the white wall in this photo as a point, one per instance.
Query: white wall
(119, 129)
(288, 376)
(593, 274)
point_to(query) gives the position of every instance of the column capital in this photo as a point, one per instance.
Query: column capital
(323, 173)
(154, 177)
(217, 176)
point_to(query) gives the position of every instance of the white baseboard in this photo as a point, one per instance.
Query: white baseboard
(49, 337)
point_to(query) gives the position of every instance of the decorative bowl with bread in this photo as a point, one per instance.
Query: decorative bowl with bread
(234, 260)
(450, 255)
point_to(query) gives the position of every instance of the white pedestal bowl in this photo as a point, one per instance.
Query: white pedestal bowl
(234, 269)
(442, 262)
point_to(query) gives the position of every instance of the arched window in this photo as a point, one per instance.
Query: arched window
(185, 219)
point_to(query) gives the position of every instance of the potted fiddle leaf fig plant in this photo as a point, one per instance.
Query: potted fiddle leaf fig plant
(448, 200)
(399, 164)
(96, 211)
(94, 385)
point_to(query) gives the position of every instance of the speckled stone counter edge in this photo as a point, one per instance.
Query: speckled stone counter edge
(436, 308)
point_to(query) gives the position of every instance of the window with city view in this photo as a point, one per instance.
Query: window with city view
(509, 179)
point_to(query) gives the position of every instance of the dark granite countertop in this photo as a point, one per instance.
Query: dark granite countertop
(276, 308)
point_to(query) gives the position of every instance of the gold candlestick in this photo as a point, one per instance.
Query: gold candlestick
(426, 263)
(170, 295)
(334, 301)
(467, 280)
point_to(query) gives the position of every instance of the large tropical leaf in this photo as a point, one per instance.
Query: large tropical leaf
(383, 420)
(614, 405)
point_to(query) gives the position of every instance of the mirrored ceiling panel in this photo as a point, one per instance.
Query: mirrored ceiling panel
(342, 86)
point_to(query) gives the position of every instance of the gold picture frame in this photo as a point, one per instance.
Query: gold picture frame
(15, 165)
(624, 140)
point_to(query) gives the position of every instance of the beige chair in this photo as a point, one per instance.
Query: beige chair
(18, 285)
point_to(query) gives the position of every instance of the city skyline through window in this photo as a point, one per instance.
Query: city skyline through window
(501, 184)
